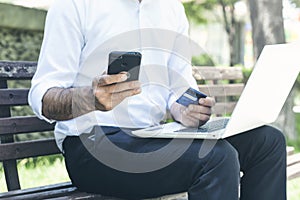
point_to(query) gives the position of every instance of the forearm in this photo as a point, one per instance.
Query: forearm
(67, 103)
(106, 92)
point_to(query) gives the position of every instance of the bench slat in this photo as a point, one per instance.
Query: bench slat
(61, 194)
(37, 189)
(26, 124)
(17, 69)
(293, 159)
(9, 166)
(217, 73)
(65, 191)
(290, 150)
(13, 97)
(27, 149)
(293, 171)
(83, 195)
(52, 194)
(222, 108)
(222, 90)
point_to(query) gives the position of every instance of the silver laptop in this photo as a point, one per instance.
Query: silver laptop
(260, 103)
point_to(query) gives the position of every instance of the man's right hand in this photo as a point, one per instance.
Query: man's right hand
(111, 90)
(107, 91)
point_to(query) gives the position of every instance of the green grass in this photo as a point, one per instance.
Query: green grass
(42, 172)
(293, 189)
(296, 143)
(293, 186)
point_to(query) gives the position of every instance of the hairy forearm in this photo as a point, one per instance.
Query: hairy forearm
(67, 103)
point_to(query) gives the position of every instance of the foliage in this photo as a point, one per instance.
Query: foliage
(296, 143)
(203, 60)
(40, 161)
(246, 74)
(295, 2)
(197, 9)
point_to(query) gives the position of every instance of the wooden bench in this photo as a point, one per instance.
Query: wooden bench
(215, 81)
(293, 164)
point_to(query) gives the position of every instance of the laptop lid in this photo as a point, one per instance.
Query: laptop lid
(267, 88)
(260, 102)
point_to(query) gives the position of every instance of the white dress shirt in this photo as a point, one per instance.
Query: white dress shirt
(79, 35)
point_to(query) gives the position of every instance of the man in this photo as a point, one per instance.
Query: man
(95, 111)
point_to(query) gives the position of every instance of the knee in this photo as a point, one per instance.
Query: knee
(224, 153)
(272, 138)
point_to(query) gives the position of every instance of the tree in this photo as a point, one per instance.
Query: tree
(268, 28)
(195, 10)
(295, 2)
(267, 23)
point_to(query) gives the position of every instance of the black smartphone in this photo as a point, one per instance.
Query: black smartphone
(120, 61)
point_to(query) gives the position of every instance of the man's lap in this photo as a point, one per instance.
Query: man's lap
(102, 173)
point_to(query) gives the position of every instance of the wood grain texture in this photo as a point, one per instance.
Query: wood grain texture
(26, 124)
(28, 149)
(17, 69)
(13, 97)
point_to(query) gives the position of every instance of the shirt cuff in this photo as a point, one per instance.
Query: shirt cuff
(172, 99)
(35, 98)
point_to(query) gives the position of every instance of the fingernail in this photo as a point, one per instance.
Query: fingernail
(201, 101)
(138, 90)
(124, 77)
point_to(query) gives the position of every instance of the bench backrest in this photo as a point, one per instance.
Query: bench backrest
(10, 126)
(223, 83)
(214, 81)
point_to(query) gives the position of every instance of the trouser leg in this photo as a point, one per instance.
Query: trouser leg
(213, 177)
(219, 178)
(262, 155)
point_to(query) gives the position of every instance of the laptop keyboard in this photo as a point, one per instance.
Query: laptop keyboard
(209, 126)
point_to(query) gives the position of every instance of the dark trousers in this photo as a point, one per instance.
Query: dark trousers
(109, 161)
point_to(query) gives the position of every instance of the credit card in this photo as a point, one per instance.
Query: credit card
(190, 96)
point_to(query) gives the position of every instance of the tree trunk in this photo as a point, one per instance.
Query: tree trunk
(267, 23)
(231, 28)
(267, 28)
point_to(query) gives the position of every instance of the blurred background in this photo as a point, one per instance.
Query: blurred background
(231, 32)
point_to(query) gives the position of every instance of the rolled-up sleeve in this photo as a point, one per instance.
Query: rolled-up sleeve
(59, 58)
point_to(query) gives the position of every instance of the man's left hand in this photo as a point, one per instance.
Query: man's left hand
(193, 115)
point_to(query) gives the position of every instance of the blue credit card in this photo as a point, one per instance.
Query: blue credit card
(190, 96)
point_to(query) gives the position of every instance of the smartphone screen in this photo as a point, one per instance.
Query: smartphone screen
(120, 61)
